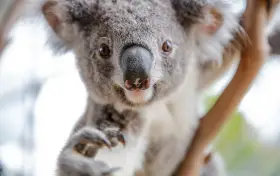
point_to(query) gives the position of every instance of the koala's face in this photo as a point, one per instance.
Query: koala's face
(129, 51)
(132, 53)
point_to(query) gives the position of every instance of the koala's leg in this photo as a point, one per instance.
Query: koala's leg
(77, 157)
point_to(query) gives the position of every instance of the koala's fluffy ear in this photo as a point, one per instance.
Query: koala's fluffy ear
(215, 23)
(206, 17)
(60, 29)
(57, 16)
(212, 21)
(52, 17)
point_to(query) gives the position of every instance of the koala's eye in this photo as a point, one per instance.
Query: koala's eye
(104, 51)
(167, 46)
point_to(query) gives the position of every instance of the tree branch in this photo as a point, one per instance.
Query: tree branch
(252, 58)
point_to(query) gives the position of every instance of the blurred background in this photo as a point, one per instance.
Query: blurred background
(41, 97)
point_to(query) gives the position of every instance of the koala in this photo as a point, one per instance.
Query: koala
(144, 64)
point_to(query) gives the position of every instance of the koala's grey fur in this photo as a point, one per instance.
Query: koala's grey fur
(158, 130)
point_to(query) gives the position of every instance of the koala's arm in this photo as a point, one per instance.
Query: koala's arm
(70, 161)
(92, 132)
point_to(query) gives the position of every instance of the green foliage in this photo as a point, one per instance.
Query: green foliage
(242, 151)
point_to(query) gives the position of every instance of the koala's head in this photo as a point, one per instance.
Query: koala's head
(134, 51)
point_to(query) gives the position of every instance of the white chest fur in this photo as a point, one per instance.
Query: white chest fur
(160, 123)
(130, 157)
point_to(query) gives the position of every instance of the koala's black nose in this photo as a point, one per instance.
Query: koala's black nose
(136, 63)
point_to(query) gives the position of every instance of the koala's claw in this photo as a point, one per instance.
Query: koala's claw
(89, 149)
(115, 136)
(87, 141)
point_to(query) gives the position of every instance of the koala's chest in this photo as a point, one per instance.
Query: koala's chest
(129, 157)
(152, 125)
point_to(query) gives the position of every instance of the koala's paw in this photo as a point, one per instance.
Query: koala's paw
(77, 165)
(115, 136)
(87, 141)
(99, 169)
(77, 158)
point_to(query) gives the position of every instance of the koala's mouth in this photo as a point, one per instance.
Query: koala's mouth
(137, 97)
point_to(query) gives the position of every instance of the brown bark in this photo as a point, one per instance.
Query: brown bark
(252, 59)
